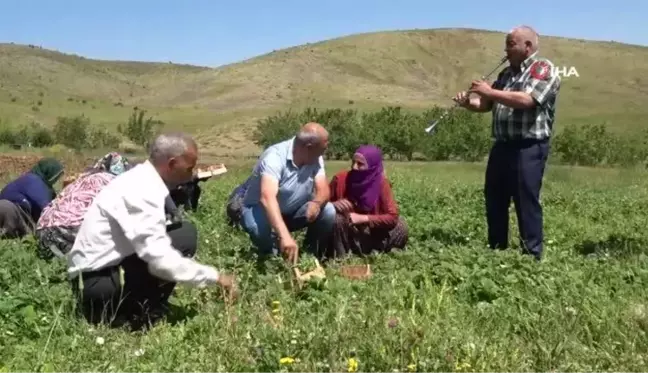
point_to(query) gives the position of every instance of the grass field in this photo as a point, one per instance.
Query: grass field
(412, 68)
(446, 303)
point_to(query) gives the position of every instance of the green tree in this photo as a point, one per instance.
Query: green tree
(140, 130)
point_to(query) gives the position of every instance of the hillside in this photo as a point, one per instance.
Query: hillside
(413, 69)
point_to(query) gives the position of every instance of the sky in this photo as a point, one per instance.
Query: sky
(214, 33)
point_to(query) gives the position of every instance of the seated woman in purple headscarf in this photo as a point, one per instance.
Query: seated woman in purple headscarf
(367, 214)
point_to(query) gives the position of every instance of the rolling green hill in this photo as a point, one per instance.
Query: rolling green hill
(413, 69)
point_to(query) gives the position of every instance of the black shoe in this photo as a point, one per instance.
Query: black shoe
(150, 317)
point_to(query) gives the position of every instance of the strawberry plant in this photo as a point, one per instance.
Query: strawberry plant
(446, 303)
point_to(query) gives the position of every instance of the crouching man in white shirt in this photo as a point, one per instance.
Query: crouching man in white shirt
(125, 229)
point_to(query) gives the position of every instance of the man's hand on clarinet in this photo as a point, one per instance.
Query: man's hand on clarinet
(463, 99)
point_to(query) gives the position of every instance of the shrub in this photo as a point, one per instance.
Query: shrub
(590, 145)
(102, 138)
(33, 135)
(460, 136)
(72, 131)
(140, 130)
(22, 136)
(7, 136)
(276, 128)
(41, 137)
(344, 126)
(392, 130)
(400, 134)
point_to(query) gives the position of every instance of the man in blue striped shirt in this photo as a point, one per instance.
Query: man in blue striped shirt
(522, 101)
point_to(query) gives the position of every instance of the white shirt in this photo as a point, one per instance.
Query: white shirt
(128, 217)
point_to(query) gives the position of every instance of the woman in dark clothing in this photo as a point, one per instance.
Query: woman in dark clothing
(22, 201)
(367, 215)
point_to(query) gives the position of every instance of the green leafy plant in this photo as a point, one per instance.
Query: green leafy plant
(139, 129)
(72, 131)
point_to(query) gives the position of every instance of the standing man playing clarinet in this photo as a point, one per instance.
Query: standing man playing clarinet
(522, 101)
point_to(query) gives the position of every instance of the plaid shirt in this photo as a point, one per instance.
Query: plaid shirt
(535, 123)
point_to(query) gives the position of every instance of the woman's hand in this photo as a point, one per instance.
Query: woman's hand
(343, 206)
(358, 218)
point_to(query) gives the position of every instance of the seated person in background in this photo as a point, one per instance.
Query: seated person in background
(58, 225)
(288, 191)
(367, 215)
(234, 206)
(125, 230)
(187, 195)
(174, 215)
(23, 200)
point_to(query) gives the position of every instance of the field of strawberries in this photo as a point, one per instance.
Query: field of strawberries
(446, 303)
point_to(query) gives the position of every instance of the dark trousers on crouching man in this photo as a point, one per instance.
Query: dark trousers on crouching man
(137, 296)
(515, 170)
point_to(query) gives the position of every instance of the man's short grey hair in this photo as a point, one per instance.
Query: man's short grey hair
(170, 145)
(534, 38)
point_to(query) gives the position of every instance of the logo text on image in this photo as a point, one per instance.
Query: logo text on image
(542, 69)
(565, 71)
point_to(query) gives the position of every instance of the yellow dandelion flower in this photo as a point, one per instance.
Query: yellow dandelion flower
(275, 303)
(275, 311)
(286, 360)
(411, 368)
(462, 366)
(352, 365)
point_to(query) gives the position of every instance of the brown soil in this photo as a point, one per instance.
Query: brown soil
(12, 165)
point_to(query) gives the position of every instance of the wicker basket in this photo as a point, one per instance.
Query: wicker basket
(356, 272)
(317, 273)
(215, 170)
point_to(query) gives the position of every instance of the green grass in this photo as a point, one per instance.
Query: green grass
(412, 68)
(446, 303)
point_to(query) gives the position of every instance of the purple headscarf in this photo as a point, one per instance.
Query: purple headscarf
(363, 187)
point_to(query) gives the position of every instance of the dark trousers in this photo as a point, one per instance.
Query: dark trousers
(104, 298)
(187, 195)
(515, 171)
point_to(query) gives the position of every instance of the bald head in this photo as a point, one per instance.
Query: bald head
(310, 143)
(312, 134)
(521, 42)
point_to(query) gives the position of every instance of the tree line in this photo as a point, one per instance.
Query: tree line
(461, 136)
(78, 133)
